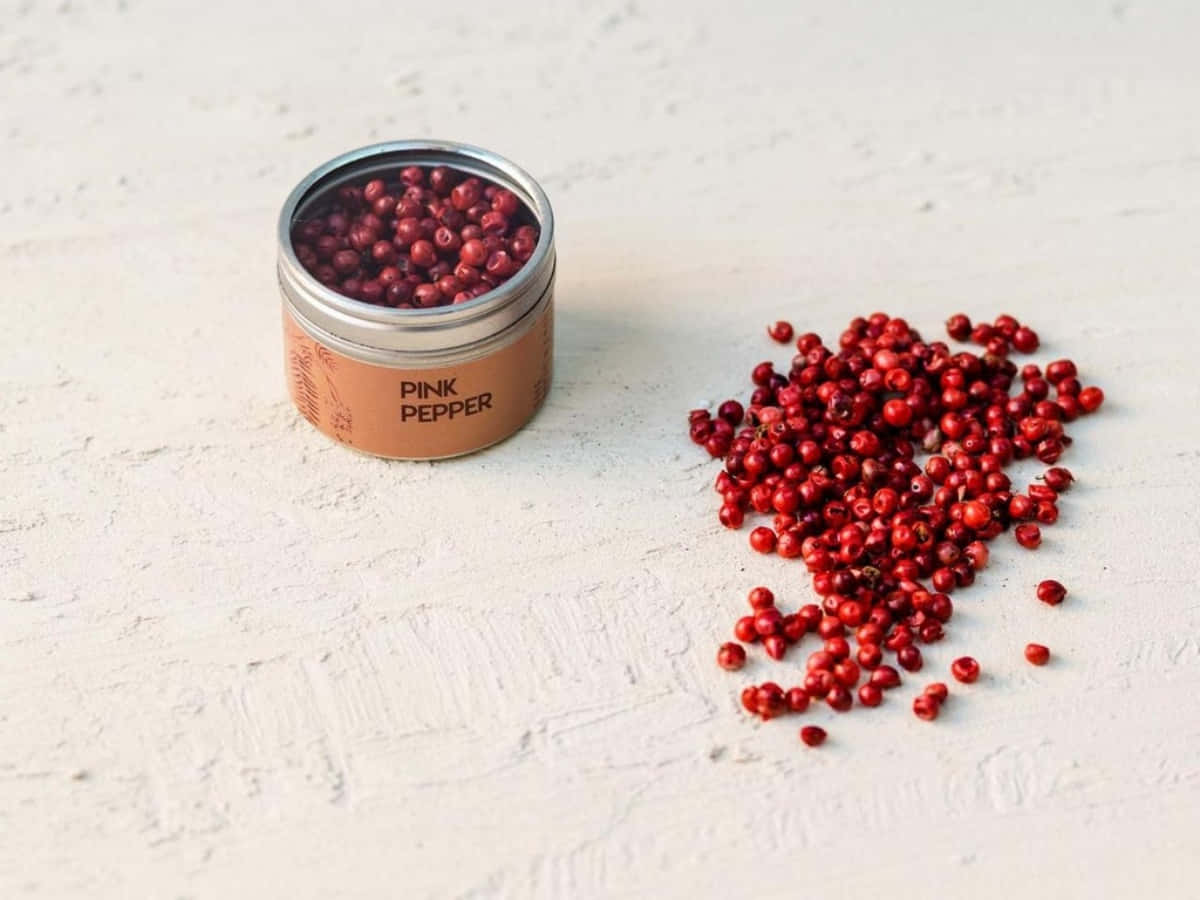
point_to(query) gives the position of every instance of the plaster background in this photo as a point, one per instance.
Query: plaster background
(240, 661)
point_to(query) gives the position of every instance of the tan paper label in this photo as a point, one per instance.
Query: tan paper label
(420, 413)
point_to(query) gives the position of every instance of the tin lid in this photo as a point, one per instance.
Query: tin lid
(418, 331)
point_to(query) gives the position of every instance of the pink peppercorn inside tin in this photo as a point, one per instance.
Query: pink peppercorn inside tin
(418, 298)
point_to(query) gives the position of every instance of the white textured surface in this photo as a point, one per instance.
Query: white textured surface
(238, 661)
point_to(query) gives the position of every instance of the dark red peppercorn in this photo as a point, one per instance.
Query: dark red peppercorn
(870, 694)
(965, 669)
(1060, 369)
(847, 673)
(775, 645)
(812, 735)
(869, 656)
(762, 539)
(744, 630)
(466, 194)
(770, 700)
(768, 621)
(399, 292)
(473, 252)
(885, 677)
(1037, 654)
(926, 707)
(731, 656)
(1028, 536)
(1021, 507)
(958, 326)
(1090, 399)
(820, 659)
(731, 516)
(423, 253)
(818, 682)
(909, 658)
(371, 292)
(446, 241)
(797, 699)
(1046, 512)
(1042, 493)
(1025, 340)
(408, 230)
(838, 648)
(839, 698)
(936, 691)
(732, 412)
(1051, 592)
(506, 202)
(449, 286)
(780, 331)
(493, 222)
(345, 261)
(500, 264)
(982, 334)
(442, 179)
(1058, 478)
(761, 598)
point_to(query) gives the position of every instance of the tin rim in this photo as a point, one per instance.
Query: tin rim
(439, 328)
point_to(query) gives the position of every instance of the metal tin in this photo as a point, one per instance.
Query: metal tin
(358, 371)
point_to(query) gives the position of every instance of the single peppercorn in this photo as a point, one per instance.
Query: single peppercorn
(839, 698)
(762, 539)
(926, 707)
(731, 516)
(885, 677)
(780, 331)
(1058, 479)
(965, 669)
(870, 694)
(847, 673)
(1090, 399)
(818, 682)
(732, 412)
(744, 630)
(775, 645)
(958, 326)
(797, 699)
(1037, 654)
(1060, 369)
(770, 700)
(812, 735)
(731, 656)
(909, 658)
(1051, 592)
(768, 621)
(1025, 339)
(761, 598)
(1028, 536)
(976, 515)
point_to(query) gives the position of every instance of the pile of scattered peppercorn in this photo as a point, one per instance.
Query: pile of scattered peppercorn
(426, 238)
(829, 449)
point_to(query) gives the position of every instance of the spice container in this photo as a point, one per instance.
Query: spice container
(417, 383)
